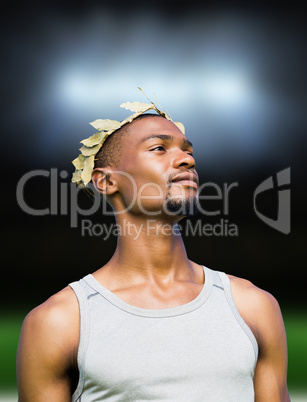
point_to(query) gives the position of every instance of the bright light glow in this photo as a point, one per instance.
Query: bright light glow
(75, 86)
(226, 89)
(83, 91)
(233, 111)
(79, 88)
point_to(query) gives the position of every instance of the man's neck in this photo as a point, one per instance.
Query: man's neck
(151, 250)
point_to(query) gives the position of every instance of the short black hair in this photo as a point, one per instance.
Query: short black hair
(111, 152)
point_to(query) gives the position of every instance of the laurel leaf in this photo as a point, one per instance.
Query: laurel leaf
(93, 140)
(130, 118)
(88, 151)
(137, 106)
(79, 162)
(76, 177)
(106, 124)
(86, 174)
(180, 126)
(104, 137)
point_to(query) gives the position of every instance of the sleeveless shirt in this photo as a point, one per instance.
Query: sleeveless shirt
(200, 351)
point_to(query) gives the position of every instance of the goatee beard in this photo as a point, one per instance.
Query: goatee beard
(182, 206)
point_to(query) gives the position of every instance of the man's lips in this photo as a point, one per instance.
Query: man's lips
(186, 179)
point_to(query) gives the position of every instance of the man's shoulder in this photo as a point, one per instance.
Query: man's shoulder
(58, 315)
(254, 296)
(47, 348)
(258, 307)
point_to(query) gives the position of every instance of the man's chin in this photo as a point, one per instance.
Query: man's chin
(181, 206)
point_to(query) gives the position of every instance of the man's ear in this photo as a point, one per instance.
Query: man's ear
(104, 181)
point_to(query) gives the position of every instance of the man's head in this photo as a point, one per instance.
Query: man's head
(139, 167)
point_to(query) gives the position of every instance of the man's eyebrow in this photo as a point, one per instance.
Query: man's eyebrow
(165, 137)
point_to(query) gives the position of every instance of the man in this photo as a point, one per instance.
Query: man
(151, 324)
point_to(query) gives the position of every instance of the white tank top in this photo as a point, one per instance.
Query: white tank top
(200, 351)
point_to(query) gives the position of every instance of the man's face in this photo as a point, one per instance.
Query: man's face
(160, 160)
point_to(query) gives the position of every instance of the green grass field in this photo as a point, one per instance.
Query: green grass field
(296, 328)
(295, 322)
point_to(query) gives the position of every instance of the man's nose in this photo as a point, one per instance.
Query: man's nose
(183, 159)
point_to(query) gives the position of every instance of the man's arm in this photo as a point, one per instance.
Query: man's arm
(270, 379)
(47, 350)
(261, 312)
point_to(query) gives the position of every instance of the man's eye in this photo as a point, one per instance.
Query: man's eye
(160, 146)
